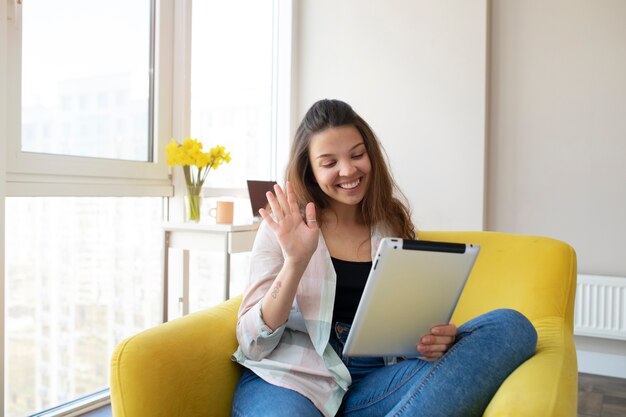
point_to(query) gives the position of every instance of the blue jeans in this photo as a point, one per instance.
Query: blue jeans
(461, 383)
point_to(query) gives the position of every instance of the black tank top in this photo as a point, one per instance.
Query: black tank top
(351, 279)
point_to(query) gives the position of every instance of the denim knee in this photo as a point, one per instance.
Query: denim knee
(516, 329)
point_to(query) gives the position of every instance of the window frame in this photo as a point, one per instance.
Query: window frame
(40, 174)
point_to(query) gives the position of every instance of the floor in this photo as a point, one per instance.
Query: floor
(598, 396)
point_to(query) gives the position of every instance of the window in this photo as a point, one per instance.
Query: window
(83, 273)
(92, 96)
(232, 87)
(88, 116)
(85, 188)
(86, 84)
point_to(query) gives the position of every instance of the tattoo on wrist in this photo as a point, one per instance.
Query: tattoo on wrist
(276, 289)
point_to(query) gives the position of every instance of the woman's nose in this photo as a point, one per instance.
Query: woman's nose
(346, 169)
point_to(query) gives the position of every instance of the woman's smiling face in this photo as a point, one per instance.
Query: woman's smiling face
(340, 164)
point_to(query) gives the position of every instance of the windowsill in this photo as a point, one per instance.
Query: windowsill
(79, 407)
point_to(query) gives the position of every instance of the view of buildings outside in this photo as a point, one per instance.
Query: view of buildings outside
(82, 273)
(95, 116)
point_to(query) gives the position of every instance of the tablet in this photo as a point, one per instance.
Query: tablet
(413, 285)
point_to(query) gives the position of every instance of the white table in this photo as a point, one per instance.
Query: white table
(207, 237)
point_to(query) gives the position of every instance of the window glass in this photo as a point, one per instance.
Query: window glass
(81, 274)
(231, 85)
(86, 78)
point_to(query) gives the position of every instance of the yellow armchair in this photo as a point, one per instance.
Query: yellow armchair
(183, 368)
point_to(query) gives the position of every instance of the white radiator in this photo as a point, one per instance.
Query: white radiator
(600, 309)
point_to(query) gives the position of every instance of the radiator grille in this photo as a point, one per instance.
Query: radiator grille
(600, 309)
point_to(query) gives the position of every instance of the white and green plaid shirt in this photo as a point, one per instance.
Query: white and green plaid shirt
(296, 355)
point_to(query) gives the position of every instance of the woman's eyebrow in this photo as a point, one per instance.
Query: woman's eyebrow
(326, 155)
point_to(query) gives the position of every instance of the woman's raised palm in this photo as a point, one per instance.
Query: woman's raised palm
(298, 239)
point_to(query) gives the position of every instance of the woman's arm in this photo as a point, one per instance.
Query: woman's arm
(277, 302)
(298, 240)
(255, 338)
(281, 253)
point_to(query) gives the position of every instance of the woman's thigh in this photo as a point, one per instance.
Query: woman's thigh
(255, 397)
(462, 382)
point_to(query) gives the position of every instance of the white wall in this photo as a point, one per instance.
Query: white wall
(557, 137)
(557, 147)
(416, 71)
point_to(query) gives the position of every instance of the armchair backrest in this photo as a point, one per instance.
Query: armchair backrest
(534, 275)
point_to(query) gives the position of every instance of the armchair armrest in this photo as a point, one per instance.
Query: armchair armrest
(536, 276)
(179, 368)
(545, 384)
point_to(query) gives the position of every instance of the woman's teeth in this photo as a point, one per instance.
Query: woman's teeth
(350, 185)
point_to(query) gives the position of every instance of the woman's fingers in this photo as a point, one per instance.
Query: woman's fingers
(266, 216)
(445, 330)
(309, 213)
(287, 205)
(437, 343)
(282, 201)
(279, 204)
(284, 206)
(275, 206)
(433, 349)
(437, 340)
(292, 200)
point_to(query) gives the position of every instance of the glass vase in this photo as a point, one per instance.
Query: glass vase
(193, 204)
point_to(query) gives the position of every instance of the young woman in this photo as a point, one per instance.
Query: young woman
(310, 261)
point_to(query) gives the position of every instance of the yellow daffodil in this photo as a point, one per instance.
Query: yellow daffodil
(196, 165)
(202, 160)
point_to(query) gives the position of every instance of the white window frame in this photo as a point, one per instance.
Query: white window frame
(38, 174)
(283, 124)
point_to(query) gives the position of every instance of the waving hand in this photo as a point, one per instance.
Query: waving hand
(298, 239)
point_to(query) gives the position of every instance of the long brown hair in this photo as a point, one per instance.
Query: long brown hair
(383, 202)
